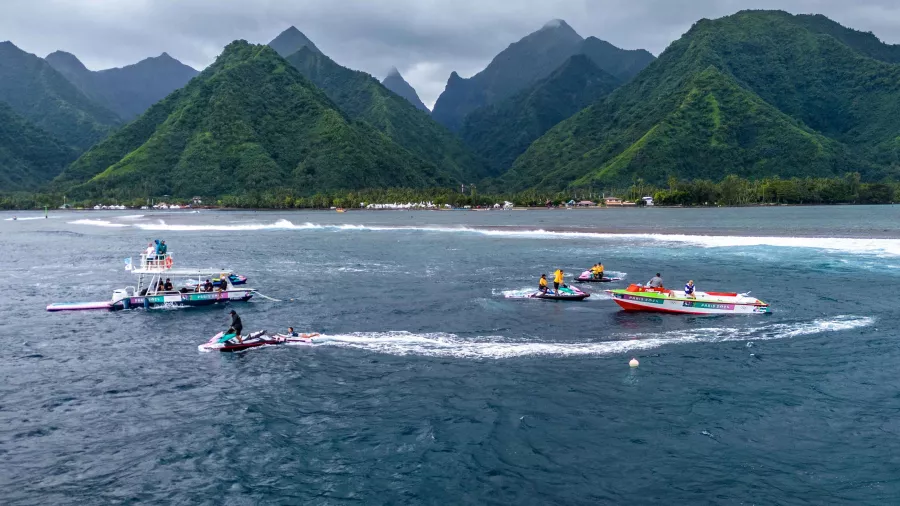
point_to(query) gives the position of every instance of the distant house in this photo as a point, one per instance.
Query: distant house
(585, 203)
(617, 202)
(196, 201)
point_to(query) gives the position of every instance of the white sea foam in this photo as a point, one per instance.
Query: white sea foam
(495, 347)
(278, 225)
(28, 218)
(131, 217)
(98, 223)
(851, 245)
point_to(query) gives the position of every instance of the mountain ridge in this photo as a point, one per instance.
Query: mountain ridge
(43, 96)
(212, 138)
(818, 89)
(129, 90)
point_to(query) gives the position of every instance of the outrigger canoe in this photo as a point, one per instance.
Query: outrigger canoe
(639, 298)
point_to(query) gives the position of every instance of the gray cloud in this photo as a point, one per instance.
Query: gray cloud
(425, 39)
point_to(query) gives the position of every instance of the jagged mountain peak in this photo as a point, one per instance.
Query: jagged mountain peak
(397, 84)
(292, 40)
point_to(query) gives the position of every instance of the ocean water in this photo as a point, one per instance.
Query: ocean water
(437, 381)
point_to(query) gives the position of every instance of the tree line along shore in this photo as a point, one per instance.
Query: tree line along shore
(730, 191)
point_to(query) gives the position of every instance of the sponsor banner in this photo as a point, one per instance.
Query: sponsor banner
(638, 298)
(708, 305)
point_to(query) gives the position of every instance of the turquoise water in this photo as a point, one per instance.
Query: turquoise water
(437, 382)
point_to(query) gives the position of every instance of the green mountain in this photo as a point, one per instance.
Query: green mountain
(248, 123)
(755, 94)
(395, 82)
(128, 91)
(521, 64)
(527, 61)
(502, 132)
(29, 157)
(43, 96)
(363, 98)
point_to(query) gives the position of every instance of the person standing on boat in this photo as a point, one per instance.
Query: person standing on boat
(149, 254)
(655, 281)
(236, 326)
(689, 290)
(558, 277)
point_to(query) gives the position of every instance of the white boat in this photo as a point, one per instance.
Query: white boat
(639, 298)
(151, 273)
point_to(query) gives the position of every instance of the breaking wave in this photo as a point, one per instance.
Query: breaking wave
(495, 347)
(98, 223)
(851, 245)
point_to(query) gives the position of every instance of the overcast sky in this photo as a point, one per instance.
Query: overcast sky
(425, 39)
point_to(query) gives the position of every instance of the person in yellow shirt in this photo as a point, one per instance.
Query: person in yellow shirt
(557, 279)
(542, 284)
(597, 270)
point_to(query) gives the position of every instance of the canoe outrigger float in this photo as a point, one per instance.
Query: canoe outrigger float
(151, 272)
(639, 298)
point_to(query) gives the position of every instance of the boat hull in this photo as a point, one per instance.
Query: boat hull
(150, 301)
(183, 299)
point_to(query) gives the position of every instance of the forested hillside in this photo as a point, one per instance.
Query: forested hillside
(362, 97)
(754, 94)
(40, 94)
(213, 137)
(29, 157)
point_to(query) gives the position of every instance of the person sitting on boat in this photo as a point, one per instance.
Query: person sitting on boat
(168, 285)
(292, 332)
(542, 284)
(223, 282)
(689, 290)
(558, 277)
(236, 326)
(208, 286)
(161, 286)
(655, 281)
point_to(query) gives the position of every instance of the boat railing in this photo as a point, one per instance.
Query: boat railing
(154, 262)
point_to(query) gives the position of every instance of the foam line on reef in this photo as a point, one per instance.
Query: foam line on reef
(889, 247)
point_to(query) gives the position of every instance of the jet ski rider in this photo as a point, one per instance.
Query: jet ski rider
(597, 270)
(236, 326)
(542, 284)
(558, 279)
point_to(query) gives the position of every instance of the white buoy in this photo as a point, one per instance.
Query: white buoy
(634, 362)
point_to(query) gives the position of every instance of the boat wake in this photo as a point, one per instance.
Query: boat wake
(523, 293)
(497, 347)
(890, 247)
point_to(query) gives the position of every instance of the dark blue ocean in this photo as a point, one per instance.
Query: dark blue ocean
(439, 384)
